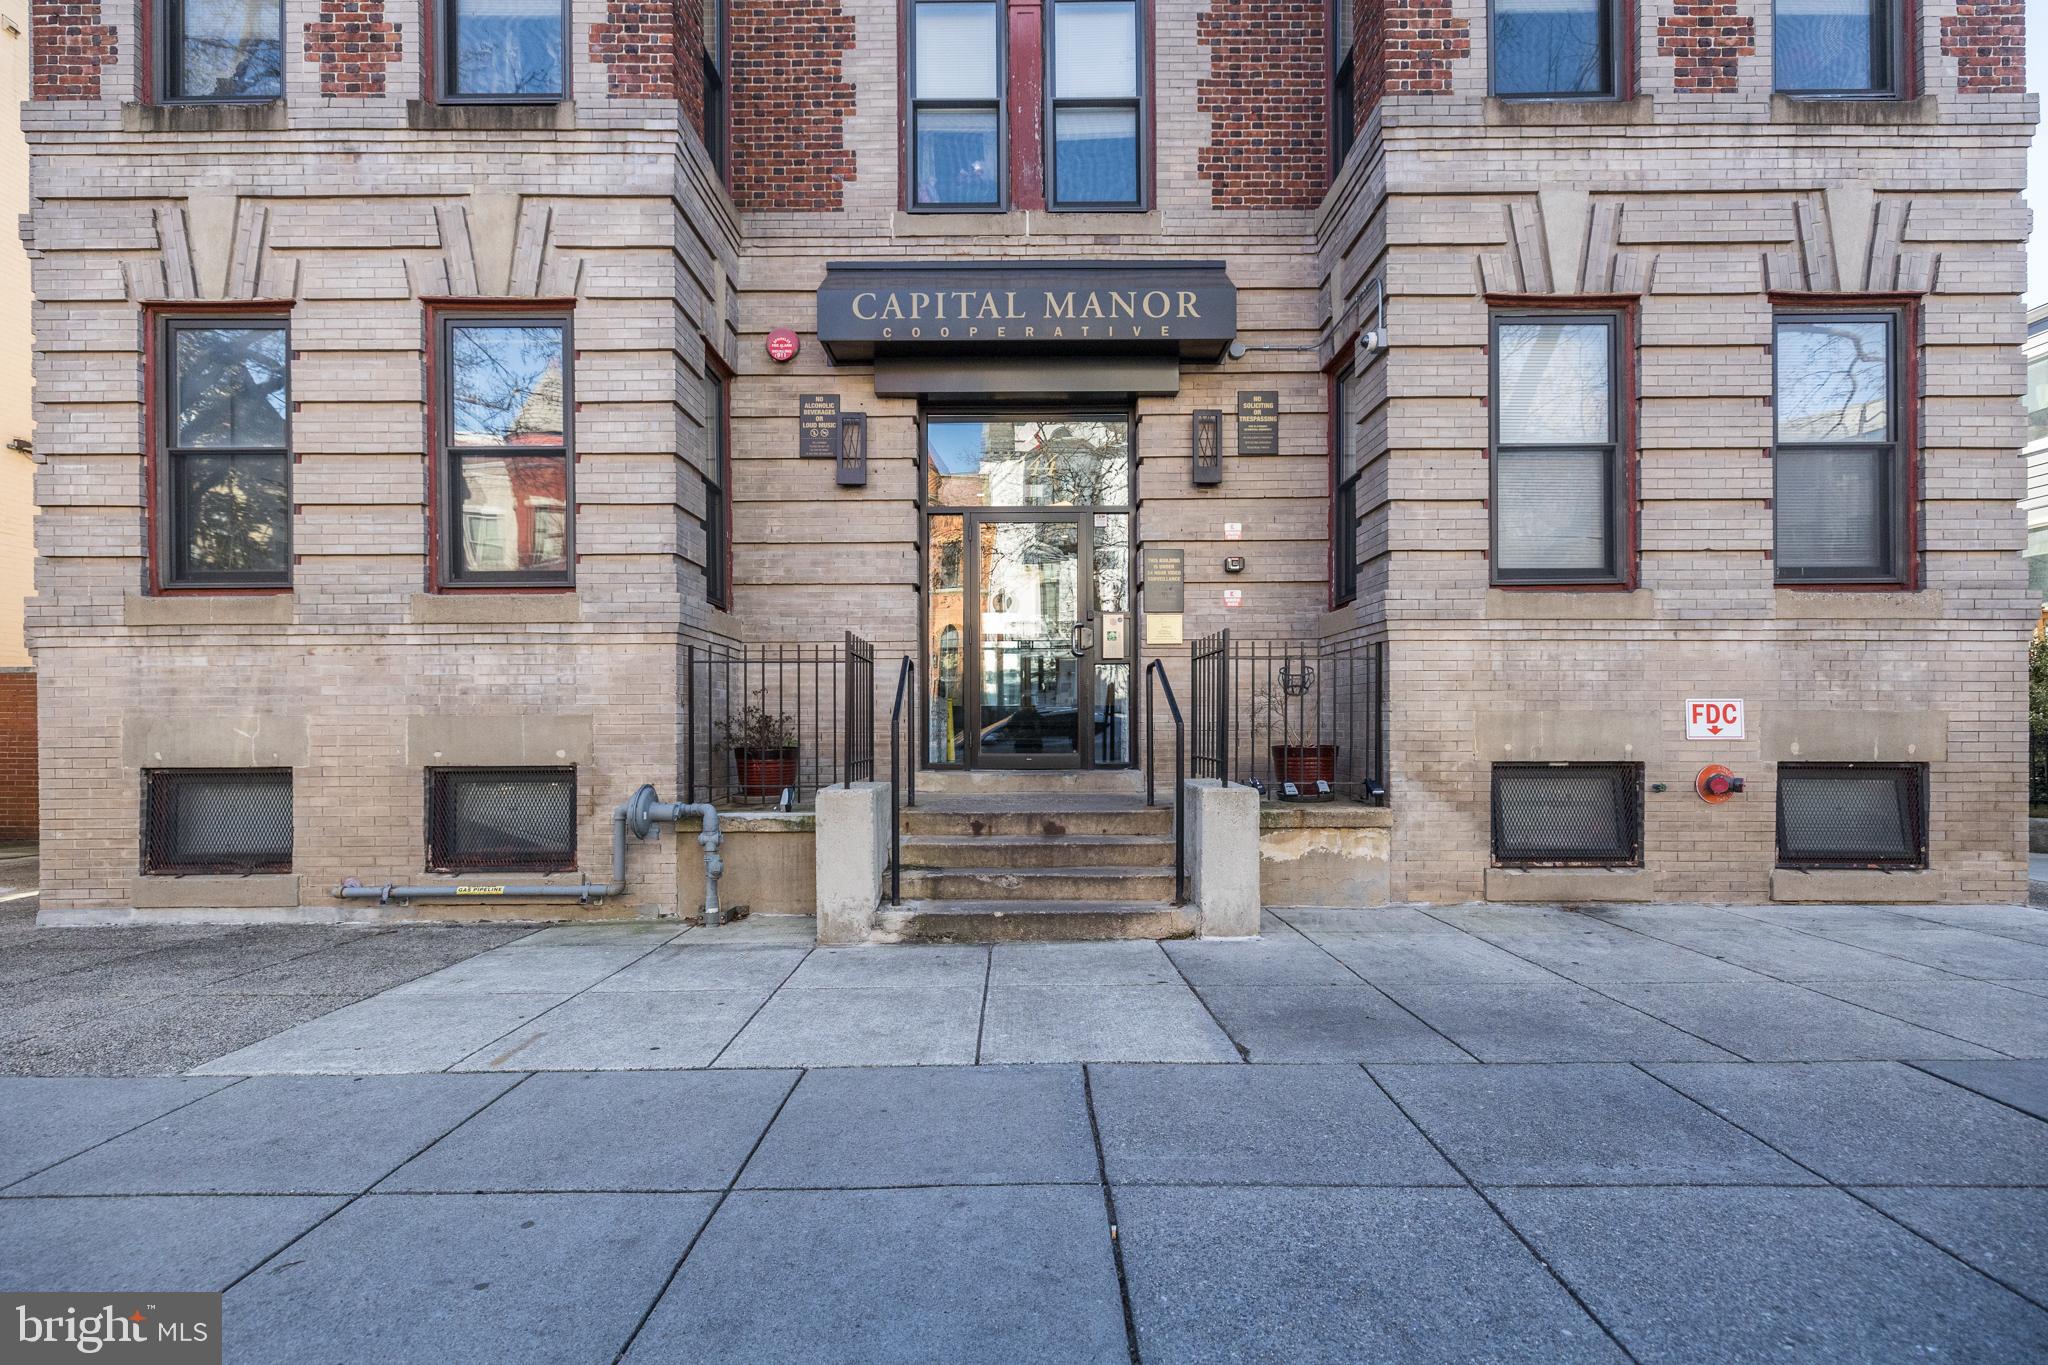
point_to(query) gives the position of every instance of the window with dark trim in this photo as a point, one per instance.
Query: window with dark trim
(717, 493)
(504, 431)
(1343, 85)
(501, 51)
(1842, 48)
(501, 819)
(220, 820)
(956, 104)
(219, 51)
(1852, 815)
(1839, 498)
(1096, 104)
(714, 82)
(1568, 814)
(1556, 477)
(1556, 49)
(223, 476)
(1344, 467)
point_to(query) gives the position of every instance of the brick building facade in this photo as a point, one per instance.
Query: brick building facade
(407, 237)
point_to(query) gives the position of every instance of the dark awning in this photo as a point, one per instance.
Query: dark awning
(935, 308)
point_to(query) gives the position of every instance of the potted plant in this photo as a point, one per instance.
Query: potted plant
(1302, 764)
(763, 747)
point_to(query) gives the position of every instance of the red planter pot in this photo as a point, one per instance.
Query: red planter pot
(1305, 764)
(763, 773)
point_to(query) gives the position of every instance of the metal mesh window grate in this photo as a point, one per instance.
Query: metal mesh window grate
(217, 820)
(501, 819)
(1588, 814)
(1851, 815)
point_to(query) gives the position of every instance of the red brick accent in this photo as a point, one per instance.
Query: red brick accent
(352, 43)
(1988, 39)
(653, 50)
(17, 754)
(1264, 96)
(790, 102)
(1704, 38)
(71, 46)
(1368, 61)
(1421, 40)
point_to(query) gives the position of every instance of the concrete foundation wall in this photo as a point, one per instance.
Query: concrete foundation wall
(1317, 855)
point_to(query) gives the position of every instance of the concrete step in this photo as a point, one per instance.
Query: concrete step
(1009, 850)
(1069, 819)
(1030, 921)
(1038, 883)
(1070, 782)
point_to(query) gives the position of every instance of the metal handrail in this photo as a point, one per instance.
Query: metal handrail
(906, 676)
(1156, 669)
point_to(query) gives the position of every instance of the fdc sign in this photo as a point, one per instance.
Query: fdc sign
(1713, 718)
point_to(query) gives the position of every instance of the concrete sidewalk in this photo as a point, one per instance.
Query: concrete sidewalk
(1400, 985)
(1648, 1133)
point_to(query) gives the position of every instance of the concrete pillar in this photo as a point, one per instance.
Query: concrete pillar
(1223, 857)
(853, 857)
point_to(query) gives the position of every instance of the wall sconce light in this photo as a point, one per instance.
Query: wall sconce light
(1208, 447)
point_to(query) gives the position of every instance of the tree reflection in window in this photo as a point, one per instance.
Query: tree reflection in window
(995, 462)
(226, 479)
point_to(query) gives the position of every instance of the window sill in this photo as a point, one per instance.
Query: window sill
(258, 116)
(209, 609)
(474, 608)
(1565, 604)
(256, 891)
(1568, 885)
(1026, 223)
(1857, 885)
(1567, 113)
(1845, 603)
(1833, 111)
(427, 115)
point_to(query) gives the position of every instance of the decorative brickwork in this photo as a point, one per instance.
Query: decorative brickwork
(653, 50)
(1704, 38)
(352, 43)
(1368, 64)
(1419, 43)
(71, 46)
(1988, 39)
(17, 754)
(1264, 97)
(790, 102)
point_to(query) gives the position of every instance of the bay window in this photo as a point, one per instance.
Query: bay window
(1096, 104)
(1557, 482)
(956, 104)
(220, 50)
(223, 478)
(504, 450)
(502, 51)
(1838, 467)
(1836, 47)
(1556, 49)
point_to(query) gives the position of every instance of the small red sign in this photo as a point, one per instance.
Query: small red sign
(782, 344)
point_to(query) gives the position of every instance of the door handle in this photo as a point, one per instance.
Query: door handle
(1079, 642)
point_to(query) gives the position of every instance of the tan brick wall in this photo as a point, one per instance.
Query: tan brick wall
(1702, 203)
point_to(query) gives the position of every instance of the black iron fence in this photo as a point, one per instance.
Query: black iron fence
(2037, 769)
(770, 724)
(1298, 719)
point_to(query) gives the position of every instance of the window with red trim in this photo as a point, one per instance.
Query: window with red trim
(717, 493)
(505, 442)
(1841, 500)
(1344, 469)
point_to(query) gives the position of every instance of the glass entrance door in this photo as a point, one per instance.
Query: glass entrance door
(1032, 645)
(1027, 592)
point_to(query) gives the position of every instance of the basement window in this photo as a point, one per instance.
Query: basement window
(501, 819)
(1852, 815)
(220, 820)
(1568, 814)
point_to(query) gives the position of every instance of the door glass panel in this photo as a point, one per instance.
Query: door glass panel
(945, 649)
(1112, 566)
(1112, 738)
(999, 462)
(1030, 599)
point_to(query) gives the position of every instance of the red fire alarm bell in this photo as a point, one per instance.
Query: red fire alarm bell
(1716, 784)
(782, 345)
